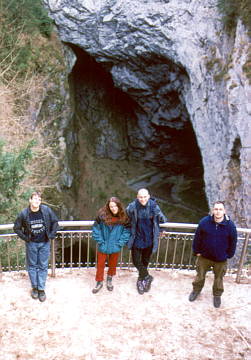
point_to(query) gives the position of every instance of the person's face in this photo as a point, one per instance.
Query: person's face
(35, 202)
(113, 207)
(143, 197)
(218, 212)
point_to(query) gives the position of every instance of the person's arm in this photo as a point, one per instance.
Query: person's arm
(96, 231)
(161, 217)
(232, 240)
(19, 227)
(196, 241)
(125, 236)
(54, 227)
(128, 211)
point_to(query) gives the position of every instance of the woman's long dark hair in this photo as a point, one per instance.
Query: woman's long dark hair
(106, 215)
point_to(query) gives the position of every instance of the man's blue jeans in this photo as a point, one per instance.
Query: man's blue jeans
(37, 258)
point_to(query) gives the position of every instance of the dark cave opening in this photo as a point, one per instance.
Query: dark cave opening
(147, 127)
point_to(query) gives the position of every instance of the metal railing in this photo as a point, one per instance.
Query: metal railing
(76, 248)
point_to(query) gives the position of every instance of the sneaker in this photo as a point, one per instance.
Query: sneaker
(140, 286)
(193, 295)
(147, 282)
(41, 295)
(98, 286)
(34, 293)
(217, 301)
(109, 283)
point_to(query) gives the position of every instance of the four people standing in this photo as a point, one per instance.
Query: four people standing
(214, 242)
(37, 225)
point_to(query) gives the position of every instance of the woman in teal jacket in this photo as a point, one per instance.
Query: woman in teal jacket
(111, 232)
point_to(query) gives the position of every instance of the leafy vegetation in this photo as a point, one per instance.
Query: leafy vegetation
(12, 171)
(31, 65)
(30, 14)
(21, 22)
(247, 66)
(231, 10)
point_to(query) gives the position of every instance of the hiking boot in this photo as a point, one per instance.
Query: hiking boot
(109, 283)
(98, 286)
(193, 295)
(41, 295)
(34, 293)
(147, 282)
(217, 301)
(140, 286)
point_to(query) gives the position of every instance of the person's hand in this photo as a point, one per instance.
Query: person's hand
(198, 254)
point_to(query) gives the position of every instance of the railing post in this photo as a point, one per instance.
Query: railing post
(88, 251)
(1, 270)
(166, 251)
(53, 260)
(62, 246)
(242, 259)
(8, 255)
(129, 259)
(79, 250)
(71, 254)
(158, 251)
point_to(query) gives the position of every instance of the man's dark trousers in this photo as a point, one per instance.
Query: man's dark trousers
(141, 258)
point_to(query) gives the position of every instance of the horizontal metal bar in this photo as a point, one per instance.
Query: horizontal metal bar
(75, 223)
(6, 227)
(90, 223)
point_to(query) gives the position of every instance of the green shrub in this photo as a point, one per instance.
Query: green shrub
(245, 14)
(247, 66)
(231, 10)
(21, 22)
(28, 15)
(12, 172)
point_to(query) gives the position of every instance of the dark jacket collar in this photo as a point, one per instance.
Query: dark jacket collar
(223, 222)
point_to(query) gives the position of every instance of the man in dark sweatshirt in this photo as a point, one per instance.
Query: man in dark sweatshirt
(214, 242)
(37, 225)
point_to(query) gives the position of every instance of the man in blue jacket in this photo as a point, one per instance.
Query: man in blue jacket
(37, 225)
(214, 242)
(145, 216)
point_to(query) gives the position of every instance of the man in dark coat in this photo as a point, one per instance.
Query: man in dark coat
(214, 242)
(37, 225)
(145, 216)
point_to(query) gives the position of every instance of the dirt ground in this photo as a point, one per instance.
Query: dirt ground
(74, 324)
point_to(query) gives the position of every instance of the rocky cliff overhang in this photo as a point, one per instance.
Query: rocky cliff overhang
(178, 67)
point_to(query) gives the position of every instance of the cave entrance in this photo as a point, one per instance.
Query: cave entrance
(133, 130)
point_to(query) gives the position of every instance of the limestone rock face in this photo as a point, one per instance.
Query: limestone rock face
(174, 61)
